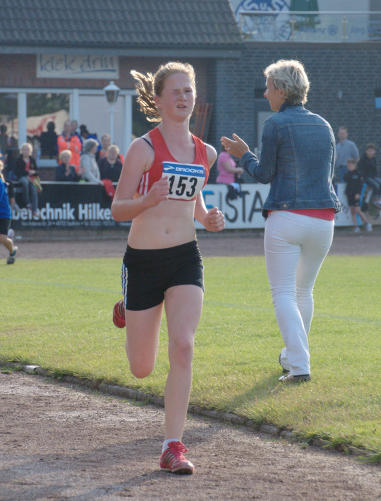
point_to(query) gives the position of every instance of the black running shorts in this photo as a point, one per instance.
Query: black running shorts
(4, 226)
(147, 274)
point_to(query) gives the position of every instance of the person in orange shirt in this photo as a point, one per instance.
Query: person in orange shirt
(68, 141)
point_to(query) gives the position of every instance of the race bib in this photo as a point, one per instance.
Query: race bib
(185, 180)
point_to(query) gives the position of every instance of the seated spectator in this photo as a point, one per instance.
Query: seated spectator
(89, 167)
(353, 190)
(110, 167)
(65, 171)
(368, 169)
(48, 141)
(105, 143)
(69, 141)
(26, 172)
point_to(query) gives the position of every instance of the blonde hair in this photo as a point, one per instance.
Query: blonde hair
(290, 76)
(65, 152)
(1, 171)
(30, 147)
(150, 85)
(113, 147)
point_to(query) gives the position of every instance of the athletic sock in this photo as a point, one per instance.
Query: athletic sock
(166, 442)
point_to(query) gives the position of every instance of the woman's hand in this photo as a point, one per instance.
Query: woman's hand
(158, 192)
(236, 146)
(214, 220)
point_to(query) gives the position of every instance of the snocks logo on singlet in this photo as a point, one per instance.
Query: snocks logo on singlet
(185, 180)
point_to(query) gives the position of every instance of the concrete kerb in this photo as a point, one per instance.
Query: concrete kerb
(221, 416)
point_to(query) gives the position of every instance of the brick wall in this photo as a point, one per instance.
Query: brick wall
(355, 69)
(19, 71)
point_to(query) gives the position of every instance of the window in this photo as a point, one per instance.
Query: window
(42, 109)
(9, 129)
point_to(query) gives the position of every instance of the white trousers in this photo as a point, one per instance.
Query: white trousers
(295, 248)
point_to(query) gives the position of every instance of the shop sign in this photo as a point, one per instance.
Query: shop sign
(76, 66)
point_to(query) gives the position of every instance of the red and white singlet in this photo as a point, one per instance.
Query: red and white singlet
(185, 180)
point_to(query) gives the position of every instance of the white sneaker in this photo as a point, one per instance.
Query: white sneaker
(356, 230)
(369, 227)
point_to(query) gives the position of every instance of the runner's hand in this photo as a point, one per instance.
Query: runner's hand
(214, 220)
(158, 192)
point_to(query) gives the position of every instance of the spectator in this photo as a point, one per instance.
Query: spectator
(110, 167)
(5, 218)
(4, 139)
(74, 128)
(227, 170)
(353, 189)
(85, 134)
(65, 171)
(105, 143)
(345, 149)
(368, 169)
(69, 141)
(48, 141)
(10, 158)
(26, 170)
(89, 167)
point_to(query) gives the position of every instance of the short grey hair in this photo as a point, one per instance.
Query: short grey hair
(89, 145)
(289, 75)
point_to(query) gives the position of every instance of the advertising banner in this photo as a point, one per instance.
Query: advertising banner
(73, 205)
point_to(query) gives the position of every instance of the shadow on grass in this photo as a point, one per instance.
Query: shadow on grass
(260, 390)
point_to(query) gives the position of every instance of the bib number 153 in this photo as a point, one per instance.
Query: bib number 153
(185, 180)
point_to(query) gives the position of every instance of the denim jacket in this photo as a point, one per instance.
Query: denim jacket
(297, 158)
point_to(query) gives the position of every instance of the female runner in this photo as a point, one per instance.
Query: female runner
(159, 189)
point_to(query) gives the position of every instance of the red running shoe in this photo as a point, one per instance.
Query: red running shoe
(173, 459)
(118, 315)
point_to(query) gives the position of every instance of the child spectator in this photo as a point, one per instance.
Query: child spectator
(353, 189)
(5, 218)
(368, 169)
(110, 166)
(65, 171)
(227, 172)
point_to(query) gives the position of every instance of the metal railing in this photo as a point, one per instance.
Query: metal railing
(310, 26)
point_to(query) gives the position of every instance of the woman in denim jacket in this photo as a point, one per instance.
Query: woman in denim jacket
(297, 158)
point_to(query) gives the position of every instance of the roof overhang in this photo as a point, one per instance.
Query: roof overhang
(214, 53)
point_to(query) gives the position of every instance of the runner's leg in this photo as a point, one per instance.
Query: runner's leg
(142, 340)
(183, 305)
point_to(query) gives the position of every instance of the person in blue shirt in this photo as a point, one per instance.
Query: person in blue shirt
(297, 159)
(5, 218)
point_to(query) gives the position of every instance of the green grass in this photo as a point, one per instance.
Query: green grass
(57, 313)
